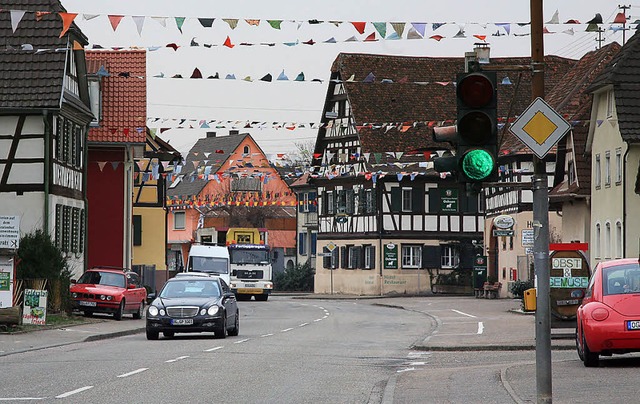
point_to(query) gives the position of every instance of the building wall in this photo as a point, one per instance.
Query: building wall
(106, 221)
(631, 226)
(152, 250)
(576, 218)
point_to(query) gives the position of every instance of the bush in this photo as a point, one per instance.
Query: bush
(518, 287)
(457, 277)
(296, 279)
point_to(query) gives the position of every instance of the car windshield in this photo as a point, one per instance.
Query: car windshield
(259, 257)
(621, 279)
(213, 265)
(191, 288)
(103, 278)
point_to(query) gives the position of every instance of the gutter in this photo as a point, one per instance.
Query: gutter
(47, 170)
(624, 200)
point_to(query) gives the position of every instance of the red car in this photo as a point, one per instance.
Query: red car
(108, 290)
(608, 320)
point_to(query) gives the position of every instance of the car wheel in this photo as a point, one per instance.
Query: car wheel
(578, 346)
(590, 359)
(262, 298)
(138, 314)
(236, 325)
(152, 335)
(118, 314)
(168, 334)
(222, 331)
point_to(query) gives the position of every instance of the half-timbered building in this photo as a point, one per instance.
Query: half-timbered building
(44, 116)
(387, 222)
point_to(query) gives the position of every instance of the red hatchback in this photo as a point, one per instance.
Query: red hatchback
(108, 290)
(608, 320)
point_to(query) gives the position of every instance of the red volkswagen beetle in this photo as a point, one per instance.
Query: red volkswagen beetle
(608, 320)
(109, 290)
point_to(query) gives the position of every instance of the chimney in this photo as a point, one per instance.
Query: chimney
(211, 134)
(234, 132)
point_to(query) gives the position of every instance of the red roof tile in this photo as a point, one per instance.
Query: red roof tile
(124, 96)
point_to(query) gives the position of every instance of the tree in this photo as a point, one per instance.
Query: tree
(39, 257)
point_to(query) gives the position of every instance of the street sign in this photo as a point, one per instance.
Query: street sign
(502, 233)
(540, 127)
(527, 238)
(331, 246)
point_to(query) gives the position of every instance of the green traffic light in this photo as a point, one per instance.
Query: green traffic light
(477, 164)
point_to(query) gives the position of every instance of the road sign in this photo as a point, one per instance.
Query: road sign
(331, 246)
(540, 127)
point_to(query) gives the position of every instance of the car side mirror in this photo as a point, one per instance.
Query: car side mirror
(151, 297)
(228, 295)
(131, 286)
(73, 281)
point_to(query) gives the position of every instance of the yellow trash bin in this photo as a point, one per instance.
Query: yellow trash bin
(530, 299)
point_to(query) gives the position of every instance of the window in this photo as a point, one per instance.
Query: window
(369, 201)
(618, 166)
(607, 240)
(354, 257)
(411, 256)
(571, 172)
(618, 240)
(450, 256)
(304, 202)
(406, 199)
(611, 102)
(607, 169)
(246, 150)
(302, 243)
(179, 220)
(598, 174)
(330, 203)
(95, 96)
(369, 257)
(137, 230)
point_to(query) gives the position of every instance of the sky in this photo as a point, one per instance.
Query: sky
(230, 104)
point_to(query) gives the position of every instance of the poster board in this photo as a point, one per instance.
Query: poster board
(35, 307)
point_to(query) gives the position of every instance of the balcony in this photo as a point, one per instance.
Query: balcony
(310, 220)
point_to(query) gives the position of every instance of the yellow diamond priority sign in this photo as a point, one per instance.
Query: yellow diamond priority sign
(540, 127)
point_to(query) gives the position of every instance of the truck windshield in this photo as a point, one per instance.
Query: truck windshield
(259, 257)
(214, 265)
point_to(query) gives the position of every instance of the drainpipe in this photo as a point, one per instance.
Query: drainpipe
(624, 202)
(48, 130)
(379, 224)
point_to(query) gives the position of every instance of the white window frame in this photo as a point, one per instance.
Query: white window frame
(611, 102)
(368, 250)
(330, 202)
(597, 242)
(411, 256)
(598, 171)
(618, 166)
(450, 256)
(352, 257)
(305, 202)
(407, 199)
(607, 169)
(607, 240)
(618, 239)
(179, 220)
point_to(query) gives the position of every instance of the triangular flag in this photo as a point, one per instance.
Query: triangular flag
(101, 165)
(413, 34)
(330, 40)
(371, 37)
(554, 19)
(115, 164)
(115, 20)
(480, 37)
(436, 25)
(398, 27)
(393, 36)
(161, 20)
(359, 26)
(253, 23)
(506, 26)
(436, 37)
(16, 17)
(233, 22)
(460, 33)
(88, 17)
(267, 77)
(67, 19)
(381, 27)
(282, 76)
(228, 43)
(300, 77)
(179, 23)
(40, 14)
(370, 78)
(196, 74)
(206, 22)
(420, 27)
(139, 21)
(275, 24)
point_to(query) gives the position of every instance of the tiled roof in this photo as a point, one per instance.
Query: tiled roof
(623, 72)
(32, 79)
(572, 99)
(423, 90)
(124, 96)
(282, 238)
(220, 147)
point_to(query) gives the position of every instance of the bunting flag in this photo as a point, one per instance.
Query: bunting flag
(139, 21)
(67, 19)
(115, 20)
(16, 17)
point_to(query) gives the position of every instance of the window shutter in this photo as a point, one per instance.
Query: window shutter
(360, 255)
(469, 203)
(466, 256)
(372, 256)
(300, 202)
(362, 207)
(301, 243)
(137, 230)
(431, 256)
(326, 260)
(345, 257)
(58, 237)
(324, 202)
(396, 199)
(335, 258)
(417, 202)
(374, 201)
(434, 200)
(314, 240)
(349, 201)
(313, 202)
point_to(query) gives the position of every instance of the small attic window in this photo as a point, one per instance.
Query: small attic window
(246, 150)
(611, 103)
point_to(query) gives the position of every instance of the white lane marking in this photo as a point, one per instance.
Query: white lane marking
(133, 372)
(418, 354)
(286, 329)
(464, 314)
(179, 358)
(303, 324)
(22, 398)
(325, 316)
(405, 370)
(480, 327)
(241, 341)
(321, 308)
(266, 335)
(69, 393)
(417, 363)
(213, 349)
(317, 319)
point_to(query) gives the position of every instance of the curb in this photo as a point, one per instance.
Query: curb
(116, 334)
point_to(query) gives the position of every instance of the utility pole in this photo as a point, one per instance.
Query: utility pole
(600, 39)
(622, 20)
(540, 223)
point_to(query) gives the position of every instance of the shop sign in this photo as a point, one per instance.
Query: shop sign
(449, 200)
(391, 256)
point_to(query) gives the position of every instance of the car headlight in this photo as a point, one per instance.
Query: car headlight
(109, 297)
(74, 295)
(232, 285)
(162, 312)
(212, 310)
(153, 311)
(103, 297)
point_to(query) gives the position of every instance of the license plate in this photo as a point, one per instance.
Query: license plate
(633, 325)
(182, 321)
(88, 304)
(567, 302)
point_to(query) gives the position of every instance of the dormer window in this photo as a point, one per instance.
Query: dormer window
(95, 97)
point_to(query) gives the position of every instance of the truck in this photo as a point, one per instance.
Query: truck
(211, 259)
(250, 259)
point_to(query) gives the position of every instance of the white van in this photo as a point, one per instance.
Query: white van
(211, 259)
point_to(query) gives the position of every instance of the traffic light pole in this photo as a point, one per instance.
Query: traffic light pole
(541, 223)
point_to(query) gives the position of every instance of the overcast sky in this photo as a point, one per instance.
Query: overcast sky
(302, 102)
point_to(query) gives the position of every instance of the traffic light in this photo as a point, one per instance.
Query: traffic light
(477, 142)
(475, 135)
